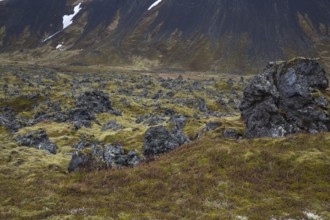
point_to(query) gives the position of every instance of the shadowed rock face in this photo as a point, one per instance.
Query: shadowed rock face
(286, 99)
(189, 34)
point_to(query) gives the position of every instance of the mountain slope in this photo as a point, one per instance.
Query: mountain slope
(187, 34)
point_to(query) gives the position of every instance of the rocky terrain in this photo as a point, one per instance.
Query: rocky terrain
(123, 145)
(111, 118)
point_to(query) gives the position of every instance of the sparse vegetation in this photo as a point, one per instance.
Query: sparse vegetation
(210, 178)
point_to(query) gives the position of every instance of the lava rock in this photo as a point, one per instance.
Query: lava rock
(157, 95)
(93, 156)
(202, 105)
(279, 101)
(132, 158)
(114, 156)
(170, 94)
(77, 161)
(94, 101)
(155, 120)
(112, 125)
(169, 112)
(116, 112)
(322, 102)
(9, 120)
(158, 140)
(83, 144)
(80, 117)
(210, 126)
(231, 134)
(37, 139)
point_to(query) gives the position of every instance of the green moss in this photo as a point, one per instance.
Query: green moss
(21, 104)
(210, 178)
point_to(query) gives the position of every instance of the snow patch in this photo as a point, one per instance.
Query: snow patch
(51, 36)
(59, 46)
(68, 19)
(154, 4)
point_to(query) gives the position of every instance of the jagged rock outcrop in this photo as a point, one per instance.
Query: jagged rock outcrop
(159, 140)
(94, 101)
(286, 98)
(9, 120)
(37, 139)
(94, 156)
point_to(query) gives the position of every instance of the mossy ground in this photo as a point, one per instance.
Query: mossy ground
(210, 178)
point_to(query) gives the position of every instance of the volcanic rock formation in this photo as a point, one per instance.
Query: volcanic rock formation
(286, 98)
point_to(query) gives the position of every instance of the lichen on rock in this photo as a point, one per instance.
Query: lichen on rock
(280, 101)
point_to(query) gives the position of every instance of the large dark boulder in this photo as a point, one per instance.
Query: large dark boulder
(286, 98)
(37, 139)
(158, 140)
(9, 120)
(94, 101)
(115, 156)
(94, 156)
(80, 117)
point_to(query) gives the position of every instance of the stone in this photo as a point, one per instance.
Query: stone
(37, 139)
(322, 102)
(210, 126)
(179, 121)
(94, 101)
(170, 95)
(83, 144)
(116, 112)
(95, 156)
(159, 140)
(132, 158)
(279, 101)
(157, 95)
(9, 120)
(77, 161)
(155, 120)
(80, 117)
(169, 112)
(231, 134)
(114, 156)
(202, 105)
(112, 125)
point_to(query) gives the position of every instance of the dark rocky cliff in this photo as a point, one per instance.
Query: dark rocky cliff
(186, 34)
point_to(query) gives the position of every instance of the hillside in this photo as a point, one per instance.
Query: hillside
(165, 109)
(217, 173)
(224, 36)
(261, 179)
